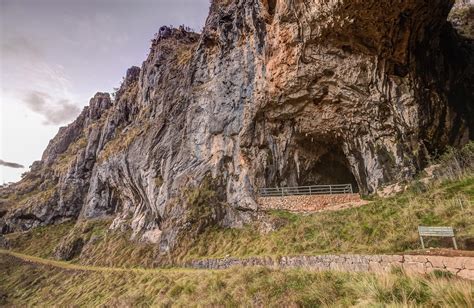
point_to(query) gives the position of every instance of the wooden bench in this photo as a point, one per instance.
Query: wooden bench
(436, 232)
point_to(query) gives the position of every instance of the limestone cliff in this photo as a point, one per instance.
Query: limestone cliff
(273, 92)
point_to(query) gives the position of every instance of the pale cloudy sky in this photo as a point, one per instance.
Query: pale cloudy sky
(56, 54)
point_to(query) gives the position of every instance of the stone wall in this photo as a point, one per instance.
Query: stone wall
(306, 203)
(460, 266)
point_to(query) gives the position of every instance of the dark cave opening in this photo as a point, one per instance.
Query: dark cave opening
(310, 162)
(332, 167)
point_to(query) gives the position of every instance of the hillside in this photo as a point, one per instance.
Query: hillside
(27, 280)
(165, 175)
(445, 199)
(111, 270)
(33, 282)
(106, 268)
(268, 95)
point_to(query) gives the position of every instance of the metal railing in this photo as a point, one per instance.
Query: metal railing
(305, 190)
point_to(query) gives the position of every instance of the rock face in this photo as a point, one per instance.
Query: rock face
(273, 92)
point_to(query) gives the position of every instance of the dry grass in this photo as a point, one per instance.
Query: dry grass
(159, 181)
(118, 144)
(36, 197)
(221, 3)
(103, 247)
(40, 241)
(184, 55)
(49, 283)
(116, 249)
(122, 141)
(455, 164)
(383, 226)
(65, 160)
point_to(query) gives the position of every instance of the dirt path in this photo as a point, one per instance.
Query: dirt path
(462, 267)
(78, 267)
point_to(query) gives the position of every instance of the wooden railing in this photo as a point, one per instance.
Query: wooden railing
(305, 190)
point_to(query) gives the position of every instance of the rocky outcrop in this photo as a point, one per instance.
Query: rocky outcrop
(3, 242)
(273, 92)
(68, 249)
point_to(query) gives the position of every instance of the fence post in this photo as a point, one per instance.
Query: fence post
(422, 243)
(330, 189)
(310, 190)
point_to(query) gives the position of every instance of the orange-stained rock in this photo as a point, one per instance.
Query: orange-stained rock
(270, 94)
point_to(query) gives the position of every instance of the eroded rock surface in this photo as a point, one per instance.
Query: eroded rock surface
(273, 92)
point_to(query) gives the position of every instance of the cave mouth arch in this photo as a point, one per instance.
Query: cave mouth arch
(326, 165)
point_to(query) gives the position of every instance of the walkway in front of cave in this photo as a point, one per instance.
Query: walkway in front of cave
(309, 198)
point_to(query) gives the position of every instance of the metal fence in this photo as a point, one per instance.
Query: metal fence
(306, 190)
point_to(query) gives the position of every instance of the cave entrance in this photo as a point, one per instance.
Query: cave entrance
(331, 167)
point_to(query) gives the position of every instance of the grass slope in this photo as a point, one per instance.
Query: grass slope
(26, 281)
(384, 226)
(103, 248)
(40, 241)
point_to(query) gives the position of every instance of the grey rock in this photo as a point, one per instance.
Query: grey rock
(290, 94)
(69, 248)
(4, 242)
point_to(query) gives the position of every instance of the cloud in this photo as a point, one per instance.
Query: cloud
(11, 165)
(54, 111)
(19, 46)
(42, 86)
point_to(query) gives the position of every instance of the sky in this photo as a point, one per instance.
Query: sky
(56, 54)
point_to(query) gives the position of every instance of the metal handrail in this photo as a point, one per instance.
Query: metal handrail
(306, 190)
